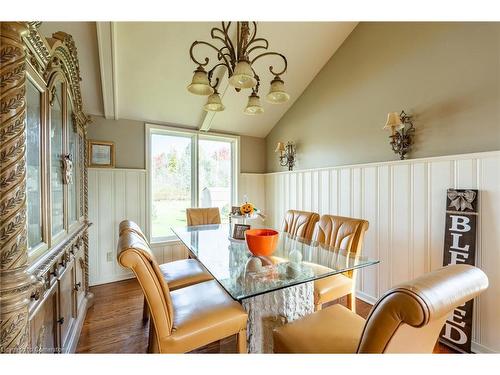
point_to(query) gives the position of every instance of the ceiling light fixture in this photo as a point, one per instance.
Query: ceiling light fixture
(239, 62)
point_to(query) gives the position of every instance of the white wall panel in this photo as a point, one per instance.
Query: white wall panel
(404, 201)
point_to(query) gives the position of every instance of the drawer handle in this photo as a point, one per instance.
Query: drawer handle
(60, 320)
(77, 286)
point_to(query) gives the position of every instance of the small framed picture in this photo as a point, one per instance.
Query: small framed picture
(235, 210)
(239, 231)
(101, 154)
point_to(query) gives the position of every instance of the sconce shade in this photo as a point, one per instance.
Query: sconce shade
(277, 93)
(214, 104)
(254, 107)
(280, 147)
(393, 122)
(200, 84)
(243, 77)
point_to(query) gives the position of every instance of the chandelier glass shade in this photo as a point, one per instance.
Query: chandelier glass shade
(214, 103)
(238, 60)
(200, 85)
(253, 106)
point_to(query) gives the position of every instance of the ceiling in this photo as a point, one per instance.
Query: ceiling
(140, 70)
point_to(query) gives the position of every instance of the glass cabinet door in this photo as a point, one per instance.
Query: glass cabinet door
(74, 155)
(56, 155)
(34, 165)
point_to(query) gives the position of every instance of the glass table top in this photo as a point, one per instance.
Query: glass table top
(242, 275)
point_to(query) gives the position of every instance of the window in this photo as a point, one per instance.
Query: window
(188, 169)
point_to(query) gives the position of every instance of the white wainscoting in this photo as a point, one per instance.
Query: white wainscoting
(118, 194)
(404, 201)
(114, 195)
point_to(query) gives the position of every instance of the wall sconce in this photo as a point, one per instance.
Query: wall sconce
(287, 154)
(402, 132)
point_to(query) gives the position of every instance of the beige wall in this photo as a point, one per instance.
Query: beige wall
(445, 74)
(129, 139)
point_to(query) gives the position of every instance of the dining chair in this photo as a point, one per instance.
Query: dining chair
(300, 223)
(202, 216)
(185, 319)
(178, 274)
(406, 319)
(346, 235)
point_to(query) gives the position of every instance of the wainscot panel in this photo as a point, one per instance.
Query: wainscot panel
(118, 194)
(404, 201)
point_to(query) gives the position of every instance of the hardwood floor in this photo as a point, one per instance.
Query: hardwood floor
(114, 323)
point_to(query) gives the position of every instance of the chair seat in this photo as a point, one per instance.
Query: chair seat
(335, 329)
(182, 273)
(203, 313)
(331, 287)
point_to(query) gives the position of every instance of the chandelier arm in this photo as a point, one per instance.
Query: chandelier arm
(229, 41)
(238, 40)
(219, 54)
(271, 67)
(265, 46)
(223, 40)
(211, 71)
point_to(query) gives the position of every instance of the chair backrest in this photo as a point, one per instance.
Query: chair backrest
(129, 225)
(135, 253)
(202, 216)
(300, 223)
(344, 234)
(409, 317)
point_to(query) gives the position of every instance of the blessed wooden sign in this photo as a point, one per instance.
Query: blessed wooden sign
(460, 247)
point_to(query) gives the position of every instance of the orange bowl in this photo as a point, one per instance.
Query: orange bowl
(261, 242)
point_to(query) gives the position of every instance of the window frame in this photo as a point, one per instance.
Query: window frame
(195, 136)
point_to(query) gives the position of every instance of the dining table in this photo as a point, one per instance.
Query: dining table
(275, 289)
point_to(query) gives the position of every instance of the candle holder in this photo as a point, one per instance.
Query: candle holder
(402, 130)
(287, 154)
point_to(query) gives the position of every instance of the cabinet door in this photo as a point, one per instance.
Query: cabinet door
(79, 278)
(43, 325)
(56, 155)
(66, 302)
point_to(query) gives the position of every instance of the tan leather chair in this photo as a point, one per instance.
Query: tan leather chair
(346, 235)
(300, 223)
(406, 319)
(178, 274)
(185, 319)
(202, 216)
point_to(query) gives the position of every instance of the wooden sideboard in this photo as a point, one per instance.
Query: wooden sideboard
(44, 291)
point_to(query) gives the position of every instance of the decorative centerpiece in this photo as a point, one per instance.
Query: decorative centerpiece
(261, 242)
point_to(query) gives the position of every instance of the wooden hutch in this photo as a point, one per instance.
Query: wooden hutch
(44, 290)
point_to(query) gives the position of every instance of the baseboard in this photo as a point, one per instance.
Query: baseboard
(481, 349)
(111, 279)
(366, 297)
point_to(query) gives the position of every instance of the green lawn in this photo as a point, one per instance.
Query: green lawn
(168, 214)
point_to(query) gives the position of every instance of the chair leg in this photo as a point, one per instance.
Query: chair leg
(145, 310)
(242, 341)
(351, 302)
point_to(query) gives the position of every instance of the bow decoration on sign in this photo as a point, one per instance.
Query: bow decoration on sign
(461, 200)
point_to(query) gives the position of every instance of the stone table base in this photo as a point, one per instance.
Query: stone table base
(273, 309)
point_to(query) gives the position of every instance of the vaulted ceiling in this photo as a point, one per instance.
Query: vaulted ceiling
(140, 70)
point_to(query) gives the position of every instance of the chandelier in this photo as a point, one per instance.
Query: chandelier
(238, 59)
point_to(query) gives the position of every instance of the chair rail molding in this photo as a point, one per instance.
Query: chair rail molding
(404, 201)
